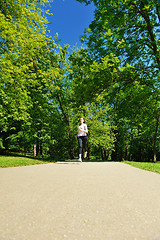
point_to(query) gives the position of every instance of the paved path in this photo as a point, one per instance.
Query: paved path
(79, 201)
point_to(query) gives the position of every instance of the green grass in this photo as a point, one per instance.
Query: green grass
(15, 161)
(149, 166)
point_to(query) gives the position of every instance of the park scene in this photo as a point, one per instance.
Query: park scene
(79, 120)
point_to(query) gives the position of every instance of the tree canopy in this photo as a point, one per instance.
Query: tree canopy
(113, 82)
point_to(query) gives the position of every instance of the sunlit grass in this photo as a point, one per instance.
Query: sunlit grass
(15, 161)
(149, 166)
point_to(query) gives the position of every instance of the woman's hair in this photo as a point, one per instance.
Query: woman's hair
(84, 121)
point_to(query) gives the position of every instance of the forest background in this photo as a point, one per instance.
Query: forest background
(113, 82)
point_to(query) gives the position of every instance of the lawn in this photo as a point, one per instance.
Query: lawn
(15, 161)
(149, 166)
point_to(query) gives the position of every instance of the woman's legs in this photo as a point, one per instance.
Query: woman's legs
(85, 140)
(82, 141)
(80, 147)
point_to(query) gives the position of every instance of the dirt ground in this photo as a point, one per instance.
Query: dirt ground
(75, 201)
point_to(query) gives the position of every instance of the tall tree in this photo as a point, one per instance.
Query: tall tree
(61, 95)
(88, 80)
(23, 40)
(130, 30)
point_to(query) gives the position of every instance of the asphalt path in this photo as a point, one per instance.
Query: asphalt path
(75, 201)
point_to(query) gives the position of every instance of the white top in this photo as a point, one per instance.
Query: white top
(80, 128)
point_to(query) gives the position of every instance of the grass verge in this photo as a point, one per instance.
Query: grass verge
(16, 161)
(149, 166)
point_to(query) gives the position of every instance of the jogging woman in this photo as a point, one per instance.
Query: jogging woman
(82, 138)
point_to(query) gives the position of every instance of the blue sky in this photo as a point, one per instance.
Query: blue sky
(69, 20)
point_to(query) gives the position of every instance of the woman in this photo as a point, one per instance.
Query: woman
(82, 138)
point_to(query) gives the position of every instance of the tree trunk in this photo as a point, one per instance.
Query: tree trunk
(126, 153)
(89, 153)
(37, 150)
(106, 155)
(41, 150)
(155, 139)
(69, 130)
(34, 150)
(70, 143)
(102, 154)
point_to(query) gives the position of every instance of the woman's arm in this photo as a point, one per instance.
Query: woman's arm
(85, 129)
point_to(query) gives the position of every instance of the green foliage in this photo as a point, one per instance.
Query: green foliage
(26, 74)
(89, 81)
(127, 28)
(113, 84)
(101, 128)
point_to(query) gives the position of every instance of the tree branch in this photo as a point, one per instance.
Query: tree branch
(157, 10)
(62, 110)
(150, 30)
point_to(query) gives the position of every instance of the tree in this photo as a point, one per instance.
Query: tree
(23, 47)
(127, 28)
(88, 80)
(101, 127)
(61, 95)
(130, 30)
